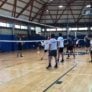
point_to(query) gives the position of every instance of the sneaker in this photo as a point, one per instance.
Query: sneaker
(91, 61)
(56, 66)
(48, 67)
(62, 61)
(67, 58)
(58, 60)
(41, 58)
(74, 57)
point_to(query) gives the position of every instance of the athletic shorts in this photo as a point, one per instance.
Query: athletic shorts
(45, 51)
(61, 50)
(19, 48)
(91, 52)
(77, 45)
(70, 47)
(53, 53)
(87, 45)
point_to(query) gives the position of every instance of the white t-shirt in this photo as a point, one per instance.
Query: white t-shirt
(45, 44)
(77, 42)
(91, 44)
(53, 43)
(61, 41)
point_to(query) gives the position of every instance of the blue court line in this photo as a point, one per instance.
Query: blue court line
(45, 90)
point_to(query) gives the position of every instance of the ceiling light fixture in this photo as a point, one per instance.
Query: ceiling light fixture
(50, 0)
(47, 10)
(88, 6)
(60, 6)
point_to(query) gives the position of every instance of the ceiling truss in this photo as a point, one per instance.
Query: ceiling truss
(45, 13)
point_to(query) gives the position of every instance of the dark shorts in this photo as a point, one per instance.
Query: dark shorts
(87, 45)
(77, 45)
(45, 51)
(91, 52)
(53, 53)
(19, 48)
(61, 50)
(70, 47)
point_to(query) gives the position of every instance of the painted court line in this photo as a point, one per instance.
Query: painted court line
(45, 90)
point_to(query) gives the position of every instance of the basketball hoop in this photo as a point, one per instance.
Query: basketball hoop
(87, 11)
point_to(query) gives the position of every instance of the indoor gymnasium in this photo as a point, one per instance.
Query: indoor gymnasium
(45, 45)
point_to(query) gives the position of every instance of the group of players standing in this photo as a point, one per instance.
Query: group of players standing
(55, 48)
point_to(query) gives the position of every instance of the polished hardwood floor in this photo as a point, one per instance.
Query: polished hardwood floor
(29, 74)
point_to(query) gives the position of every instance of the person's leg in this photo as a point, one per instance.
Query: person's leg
(49, 59)
(73, 51)
(43, 55)
(62, 54)
(49, 65)
(17, 53)
(55, 56)
(86, 47)
(21, 53)
(68, 54)
(58, 56)
(91, 55)
(56, 65)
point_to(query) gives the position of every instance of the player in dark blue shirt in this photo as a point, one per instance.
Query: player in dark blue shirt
(19, 48)
(70, 47)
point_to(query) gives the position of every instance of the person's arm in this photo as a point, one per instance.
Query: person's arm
(42, 43)
(58, 42)
(90, 45)
(49, 45)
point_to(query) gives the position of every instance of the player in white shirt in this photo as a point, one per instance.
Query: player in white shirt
(60, 47)
(77, 43)
(91, 49)
(19, 47)
(45, 44)
(52, 51)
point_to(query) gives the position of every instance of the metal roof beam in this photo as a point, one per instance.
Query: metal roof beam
(14, 8)
(80, 15)
(68, 3)
(26, 6)
(3, 3)
(39, 11)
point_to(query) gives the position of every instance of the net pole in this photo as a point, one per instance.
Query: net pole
(13, 34)
(76, 31)
(28, 31)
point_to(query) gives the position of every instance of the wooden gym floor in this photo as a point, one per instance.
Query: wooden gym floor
(29, 74)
